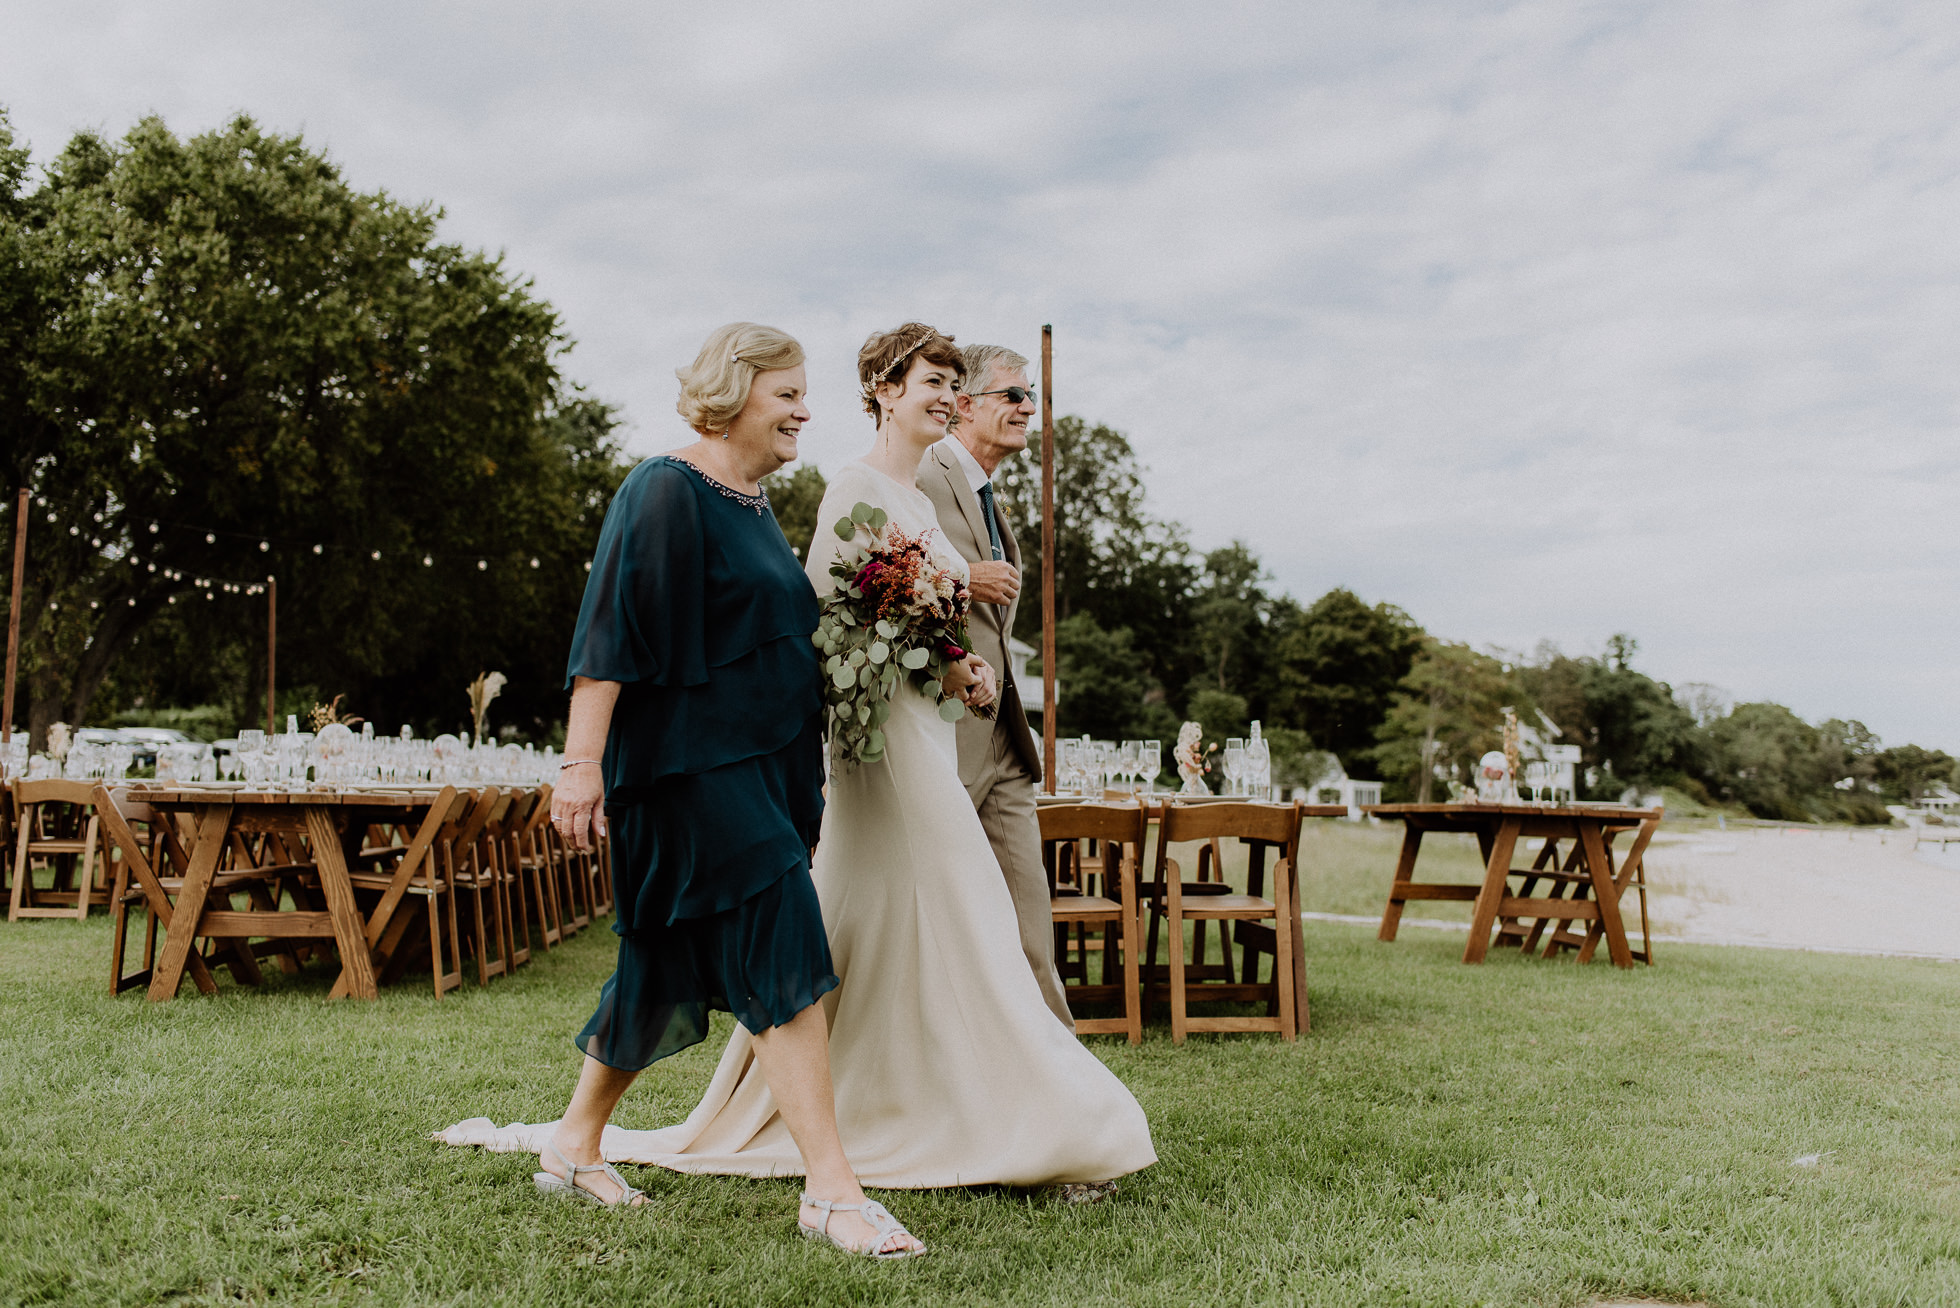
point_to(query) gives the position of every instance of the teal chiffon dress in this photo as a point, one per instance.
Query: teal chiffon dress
(713, 766)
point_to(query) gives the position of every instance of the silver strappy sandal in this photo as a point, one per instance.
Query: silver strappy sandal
(882, 1223)
(551, 1183)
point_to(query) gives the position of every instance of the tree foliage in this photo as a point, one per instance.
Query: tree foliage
(1447, 713)
(794, 498)
(1336, 667)
(228, 364)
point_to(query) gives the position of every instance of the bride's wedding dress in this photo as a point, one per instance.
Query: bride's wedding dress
(949, 1068)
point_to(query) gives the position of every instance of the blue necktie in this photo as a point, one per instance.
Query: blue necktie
(993, 528)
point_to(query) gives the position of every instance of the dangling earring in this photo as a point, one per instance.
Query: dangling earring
(726, 434)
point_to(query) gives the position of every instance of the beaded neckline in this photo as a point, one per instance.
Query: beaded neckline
(756, 502)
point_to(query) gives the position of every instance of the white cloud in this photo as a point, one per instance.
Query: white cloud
(1540, 319)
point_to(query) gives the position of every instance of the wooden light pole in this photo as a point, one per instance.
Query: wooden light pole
(271, 647)
(1048, 557)
(13, 617)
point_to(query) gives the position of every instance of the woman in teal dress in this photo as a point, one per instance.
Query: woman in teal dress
(697, 727)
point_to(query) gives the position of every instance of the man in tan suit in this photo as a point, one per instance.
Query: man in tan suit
(999, 762)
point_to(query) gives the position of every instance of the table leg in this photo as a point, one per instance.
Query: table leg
(1491, 897)
(1405, 872)
(213, 824)
(350, 932)
(1288, 875)
(1600, 869)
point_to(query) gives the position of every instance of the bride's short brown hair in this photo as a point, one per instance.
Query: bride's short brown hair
(886, 356)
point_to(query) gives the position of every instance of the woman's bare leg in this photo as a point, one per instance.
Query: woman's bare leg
(795, 1061)
(577, 1137)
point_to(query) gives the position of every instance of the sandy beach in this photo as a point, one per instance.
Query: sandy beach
(1797, 888)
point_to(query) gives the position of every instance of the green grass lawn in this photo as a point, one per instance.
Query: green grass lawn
(1520, 1133)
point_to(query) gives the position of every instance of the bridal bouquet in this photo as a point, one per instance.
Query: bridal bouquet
(896, 616)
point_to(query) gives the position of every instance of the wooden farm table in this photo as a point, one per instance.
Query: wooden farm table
(333, 823)
(1586, 830)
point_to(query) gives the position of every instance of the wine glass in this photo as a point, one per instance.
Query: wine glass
(1234, 764)
(1153, 764)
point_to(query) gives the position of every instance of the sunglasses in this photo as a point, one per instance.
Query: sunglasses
(1016, 395)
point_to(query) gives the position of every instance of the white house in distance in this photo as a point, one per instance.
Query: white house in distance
(1332, 785)
(1018, 654)
(1534, 746)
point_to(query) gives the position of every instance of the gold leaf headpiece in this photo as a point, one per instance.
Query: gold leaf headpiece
(870, 388)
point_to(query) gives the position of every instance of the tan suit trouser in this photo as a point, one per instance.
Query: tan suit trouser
(1004, 798)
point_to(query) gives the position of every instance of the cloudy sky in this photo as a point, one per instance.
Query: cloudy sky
(1544, 320)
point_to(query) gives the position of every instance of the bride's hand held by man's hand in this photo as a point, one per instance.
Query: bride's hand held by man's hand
(972, 681)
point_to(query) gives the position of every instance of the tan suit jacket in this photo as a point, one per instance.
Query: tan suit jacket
(958, 505)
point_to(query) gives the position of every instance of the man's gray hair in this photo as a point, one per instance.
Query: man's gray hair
(980, 362)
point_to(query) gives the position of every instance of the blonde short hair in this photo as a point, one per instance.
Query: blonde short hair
(716, 385)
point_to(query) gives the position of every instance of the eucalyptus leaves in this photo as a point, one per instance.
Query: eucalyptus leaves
(896, 618)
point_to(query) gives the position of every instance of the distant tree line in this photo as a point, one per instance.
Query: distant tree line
(1152, 631)
(220, 362)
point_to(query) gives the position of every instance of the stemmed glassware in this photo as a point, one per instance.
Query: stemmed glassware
(1153, 764)
(1130, 763)
(1234, 765)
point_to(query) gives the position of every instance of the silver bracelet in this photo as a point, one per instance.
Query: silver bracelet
(574, 762)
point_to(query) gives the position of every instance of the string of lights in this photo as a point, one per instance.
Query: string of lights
(211, 585)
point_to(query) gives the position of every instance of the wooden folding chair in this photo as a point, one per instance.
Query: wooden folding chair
(539, 855)
(470, 864)
(56, 828)
(1174, 901)
(569, 875)
(413, 891)
(1080, 898)
(510, 812)
(1631, 873)
(530, 810)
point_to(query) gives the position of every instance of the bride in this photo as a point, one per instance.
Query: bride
(949, 1067)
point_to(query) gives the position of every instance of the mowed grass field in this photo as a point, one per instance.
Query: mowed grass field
(1519, 1133)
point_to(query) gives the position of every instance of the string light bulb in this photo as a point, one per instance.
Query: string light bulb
(534, 563)
(210, 538)
(319, 549)
(375, 555)
(481, 566)
(264, 545)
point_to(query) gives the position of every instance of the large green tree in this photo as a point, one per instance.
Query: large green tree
(1335, 667)
(1448, 712)
(1112, 558)
(226, 363)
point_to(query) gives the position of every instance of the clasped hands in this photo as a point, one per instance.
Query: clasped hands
(972, 681)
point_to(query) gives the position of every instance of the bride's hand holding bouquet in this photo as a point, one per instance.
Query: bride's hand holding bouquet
(895, 616)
